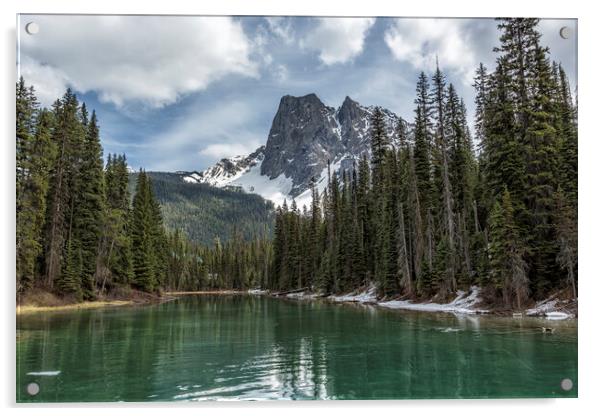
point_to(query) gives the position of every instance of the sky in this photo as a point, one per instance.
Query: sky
(181, 92)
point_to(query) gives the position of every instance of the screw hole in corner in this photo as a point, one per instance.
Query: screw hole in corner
(33, 389)
(32, 28)
(566, 384)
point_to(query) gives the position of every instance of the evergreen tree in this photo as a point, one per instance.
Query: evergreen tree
(364, 215)
(406, 200)
(280, 250)
(69, 281)
(116, 262)
(68, 134)
(442, 166)
(147, 240)
(566, 239)
(462, 180)
(89, 208)
(541, 173)
(424, 185)
(35, 156)
(315, 249)
(509, 268)
(568, 137)
(379, 145)
(481, 83)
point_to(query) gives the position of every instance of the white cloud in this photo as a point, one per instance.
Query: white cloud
(338, 40)
(222, 150)
(282, 28)
(420, 41)
(50, 83)
(151, 60)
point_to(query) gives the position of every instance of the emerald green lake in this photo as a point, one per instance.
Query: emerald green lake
(256, 347)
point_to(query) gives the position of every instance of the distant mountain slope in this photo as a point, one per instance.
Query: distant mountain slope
(305, 136)
(204, 212)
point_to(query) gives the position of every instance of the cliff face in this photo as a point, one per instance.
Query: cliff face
(305, 135)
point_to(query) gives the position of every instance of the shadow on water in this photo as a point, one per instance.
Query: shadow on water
(246, 347)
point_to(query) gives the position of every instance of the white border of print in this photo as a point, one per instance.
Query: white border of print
(589, 189)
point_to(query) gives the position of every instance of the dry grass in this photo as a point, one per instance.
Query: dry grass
(42, 300)
(25, 309)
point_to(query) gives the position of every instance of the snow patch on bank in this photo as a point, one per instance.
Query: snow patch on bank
(303, 295)
(558, 316)
(541, 308)
(463, 304)
(257, 292)
(367, 296)
(550, 308)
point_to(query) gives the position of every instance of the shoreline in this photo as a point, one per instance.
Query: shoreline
(47, 302)
(464, 304)
(31, 308)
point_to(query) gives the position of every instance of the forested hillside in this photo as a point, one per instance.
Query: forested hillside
(437, 214)
(203, 212)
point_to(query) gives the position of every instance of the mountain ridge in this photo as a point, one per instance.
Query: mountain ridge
(305, 137)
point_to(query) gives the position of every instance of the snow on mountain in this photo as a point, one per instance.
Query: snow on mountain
(275, 190)
(192, 178)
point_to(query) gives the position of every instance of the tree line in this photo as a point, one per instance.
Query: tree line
(429, 213)
(81, 234)
(77, 233)
(234, 264)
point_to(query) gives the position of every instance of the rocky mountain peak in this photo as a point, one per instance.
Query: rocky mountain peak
(304, 137)
(304, 133)
(349, 110)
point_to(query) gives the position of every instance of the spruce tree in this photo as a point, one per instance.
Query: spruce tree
(424, 184)
(35, 156)
(566, 239)
(442, 166)
(69, 281)
(68, 134)
(315, 249)
(364, 218)
(89, 209)
(143, 231)
(507, 251)
(541, 173)
(481, 83)
(568, 140)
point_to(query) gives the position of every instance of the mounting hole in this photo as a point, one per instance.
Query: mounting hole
(33, 389)
(32, 28)
(566, 384)
(565, 32)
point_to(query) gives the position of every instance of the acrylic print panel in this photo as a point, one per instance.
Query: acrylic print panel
(295, 208)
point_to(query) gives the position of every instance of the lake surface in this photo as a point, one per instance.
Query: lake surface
(255, 347)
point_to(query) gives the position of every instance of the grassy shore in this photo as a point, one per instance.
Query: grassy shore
(41, 300)
(26, 309)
